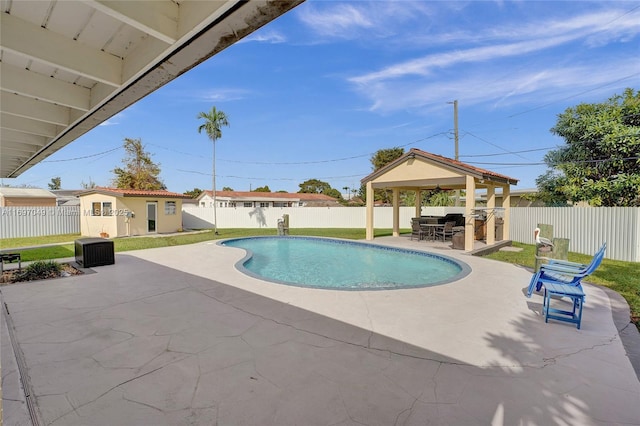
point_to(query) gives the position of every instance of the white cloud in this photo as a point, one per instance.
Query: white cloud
(113, 120)
(223, 95)
(506, 64)
(267, 36)
(353, 20)
(497, 89)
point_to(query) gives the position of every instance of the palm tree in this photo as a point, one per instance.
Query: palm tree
(214, 120)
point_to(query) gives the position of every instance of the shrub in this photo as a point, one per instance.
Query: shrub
(40, 270)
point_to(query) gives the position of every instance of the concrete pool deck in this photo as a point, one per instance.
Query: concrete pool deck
(177, 336)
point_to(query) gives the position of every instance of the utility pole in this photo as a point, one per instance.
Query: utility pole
(455, 138)
(455, 126)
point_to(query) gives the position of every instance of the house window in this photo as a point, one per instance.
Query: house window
(101, 209)
(169, 207)
(202, 204)
(248, 204)
(264, 204)
(300, 204)
(280, 204)
(232, 204)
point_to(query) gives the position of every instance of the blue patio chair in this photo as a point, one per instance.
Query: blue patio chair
(553, 263)
(565, 272)
(564, 279)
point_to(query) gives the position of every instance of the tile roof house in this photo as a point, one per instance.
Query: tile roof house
(115, 212)
(239, 199)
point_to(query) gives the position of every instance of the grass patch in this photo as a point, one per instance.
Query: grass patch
(619, 276)
(8, 243)
(139, 243)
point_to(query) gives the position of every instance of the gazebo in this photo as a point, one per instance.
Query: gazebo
(418, 170)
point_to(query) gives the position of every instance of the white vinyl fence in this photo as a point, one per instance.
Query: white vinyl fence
(586, 228)
(303, 217)
(17, 222)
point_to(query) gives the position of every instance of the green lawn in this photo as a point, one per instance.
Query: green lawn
(138, 243)
(617, 275)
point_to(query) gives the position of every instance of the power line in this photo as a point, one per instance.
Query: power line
(264, 178)
(510, 152)
(497, 146)
(601, 160)
(82, 158)
(573, 96)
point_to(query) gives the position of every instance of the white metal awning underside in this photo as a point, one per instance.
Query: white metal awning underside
(67, 66)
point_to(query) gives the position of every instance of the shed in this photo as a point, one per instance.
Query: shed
(418, 170)
(26, 197)
(126, 212)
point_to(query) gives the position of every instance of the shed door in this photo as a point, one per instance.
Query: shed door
(152, 216)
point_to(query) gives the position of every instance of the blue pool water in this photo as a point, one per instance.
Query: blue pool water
(343, 265)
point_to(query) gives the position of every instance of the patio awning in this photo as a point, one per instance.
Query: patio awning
(68, 66)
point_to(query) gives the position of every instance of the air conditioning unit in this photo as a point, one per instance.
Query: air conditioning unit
(92, 252)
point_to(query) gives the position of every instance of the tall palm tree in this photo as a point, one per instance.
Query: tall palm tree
(213, 121)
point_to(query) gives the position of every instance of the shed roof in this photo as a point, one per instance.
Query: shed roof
(119, 192)
(26, 192)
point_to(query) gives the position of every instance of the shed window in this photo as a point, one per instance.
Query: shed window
(170, 207)
(102, 209)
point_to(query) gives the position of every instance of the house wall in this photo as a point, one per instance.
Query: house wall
(92, 226)
(138, 225)
(27, 202)
(208, 202)
(119, 224)
(416, 170)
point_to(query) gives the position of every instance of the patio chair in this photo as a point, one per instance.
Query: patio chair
(565, 272)
(417, 230)
(446, 231)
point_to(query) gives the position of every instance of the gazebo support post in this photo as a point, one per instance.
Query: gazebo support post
(396, 212)
(418, 203)
(506, 205)
(491, 216)
(470, 204)
(369, 221)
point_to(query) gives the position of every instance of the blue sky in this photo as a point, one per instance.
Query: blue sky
(317, 92)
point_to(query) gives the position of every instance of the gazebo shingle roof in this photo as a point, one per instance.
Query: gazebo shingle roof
(446, 162)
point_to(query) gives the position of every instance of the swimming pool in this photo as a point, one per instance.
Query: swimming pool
(343, 265)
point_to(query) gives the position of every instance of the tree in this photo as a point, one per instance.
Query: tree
(316, 186)
(213, 121)
(332, 192)
(381, 158)
(194, 193)
(313, 186)
(139, 172)
(600, 163)
(56, 183)
(262, 189)
(227, 188)
(89, 185)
